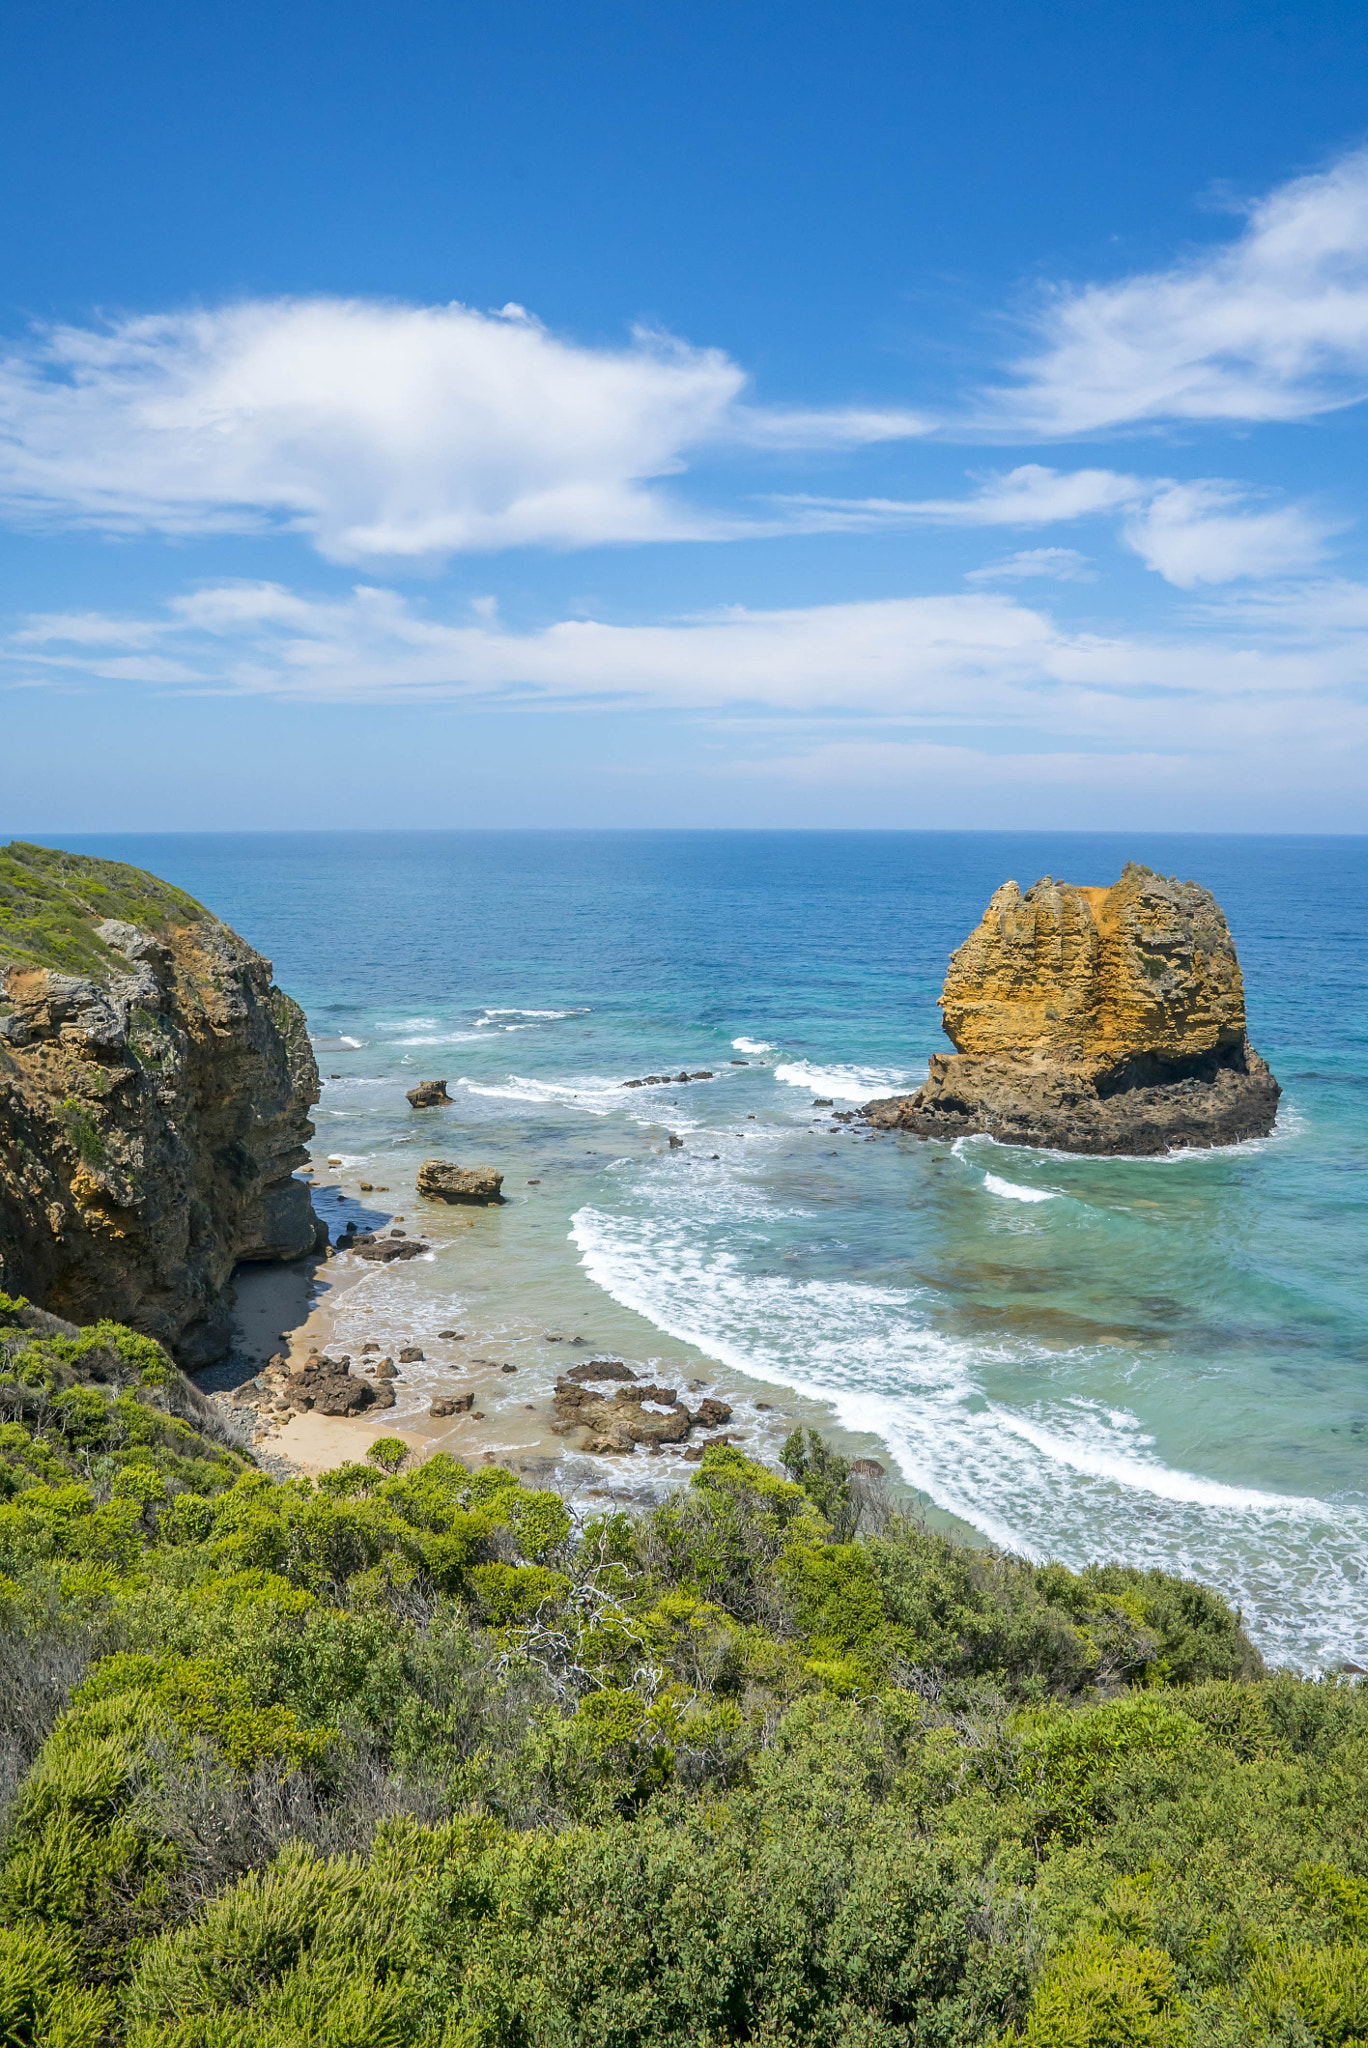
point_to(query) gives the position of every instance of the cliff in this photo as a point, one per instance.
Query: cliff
(1095, 1020)
(154, 1096)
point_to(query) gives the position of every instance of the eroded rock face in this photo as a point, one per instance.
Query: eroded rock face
(154, 1096)
(1095, 1020)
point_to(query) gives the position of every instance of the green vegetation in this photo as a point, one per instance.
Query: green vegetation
(50, 903)
(405, 1757)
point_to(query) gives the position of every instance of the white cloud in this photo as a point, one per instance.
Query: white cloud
(1061, 565)
(1030, 495)
(380, 430)
(1272, 325)
(1240, 681)
(1197, 533)
(1191, 533)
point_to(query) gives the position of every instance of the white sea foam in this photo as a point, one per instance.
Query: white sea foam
(753, 1046)
(844, 1084)
(487, 1016)
(355, 1043)
(441, 1038)
(1014, 1193)
(1065, 1479)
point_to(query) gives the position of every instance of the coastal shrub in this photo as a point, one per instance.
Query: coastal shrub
(403, 1755)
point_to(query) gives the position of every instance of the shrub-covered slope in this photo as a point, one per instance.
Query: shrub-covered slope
(407, 1756)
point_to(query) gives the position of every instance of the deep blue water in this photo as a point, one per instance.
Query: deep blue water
(1166, 1361)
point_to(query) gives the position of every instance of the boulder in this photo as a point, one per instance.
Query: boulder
(441, 1180)
(710, 1412)
(1095, 1020)
(451, 1404)
(410, 1355)
(385, 1250)
(428, 1094)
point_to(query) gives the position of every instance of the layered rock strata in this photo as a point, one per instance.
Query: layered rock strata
(154, 1095)
(1095, 1020)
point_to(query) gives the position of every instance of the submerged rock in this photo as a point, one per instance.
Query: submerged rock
(441, 1180)
(1094, 1020)
(154, 1095)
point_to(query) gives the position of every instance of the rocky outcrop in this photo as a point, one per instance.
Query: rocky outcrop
(428, 1094)
(154, 1096)
(1095, 1020)
(441, 1180)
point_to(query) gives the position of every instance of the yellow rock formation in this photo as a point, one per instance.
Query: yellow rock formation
(1095, 978)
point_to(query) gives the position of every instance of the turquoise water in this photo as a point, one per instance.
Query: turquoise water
(1165, 1361)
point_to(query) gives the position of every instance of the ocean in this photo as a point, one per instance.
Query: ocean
(1164, 1362)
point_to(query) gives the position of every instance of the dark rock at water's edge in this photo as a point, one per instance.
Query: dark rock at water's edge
(1100, 1021)
(428, 1094)
(154, 1095)
(441, 1180)
(1224, 1099)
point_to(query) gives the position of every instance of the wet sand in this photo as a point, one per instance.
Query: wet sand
(507, 1360)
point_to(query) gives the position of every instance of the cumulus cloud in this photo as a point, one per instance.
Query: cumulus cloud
(1202, 533)
(380, 430)
(1270, 325)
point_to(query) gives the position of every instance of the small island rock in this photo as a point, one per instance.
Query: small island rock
(428, 1094)
(1096, 1020)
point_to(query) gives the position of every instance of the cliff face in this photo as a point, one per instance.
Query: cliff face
(1098, 978)
(154, 1096)
(1095, 1020)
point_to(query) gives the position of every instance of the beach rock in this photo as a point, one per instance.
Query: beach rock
(451, 1404)
(600, 1369)
(667, 1396)
(385, 1250)
(866, 1468)
(410, 1355)
(1094, 1020)
(570, 1397)
(428, 1094)
(441, 1180)
(710, 1412)
(671, 1428)
(154, 1095)
(382, 1397)
(386, 1370)
(326, 1385)
(676, 1144)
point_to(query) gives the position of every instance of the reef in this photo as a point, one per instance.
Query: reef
(1096, 1020)
(154, 1095)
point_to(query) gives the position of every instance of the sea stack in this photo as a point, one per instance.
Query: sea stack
(1095, 1020)
(154, 1095)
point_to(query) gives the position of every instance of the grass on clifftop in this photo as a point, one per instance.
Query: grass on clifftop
(51, 902)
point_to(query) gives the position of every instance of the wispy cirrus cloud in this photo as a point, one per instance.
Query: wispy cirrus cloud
(1058, 565)
(1208, 531)
(383, 431)
(1270, 325)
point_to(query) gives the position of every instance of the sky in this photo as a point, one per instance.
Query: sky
(782, 415)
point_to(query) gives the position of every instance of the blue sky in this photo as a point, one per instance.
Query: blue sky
(612, 414)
